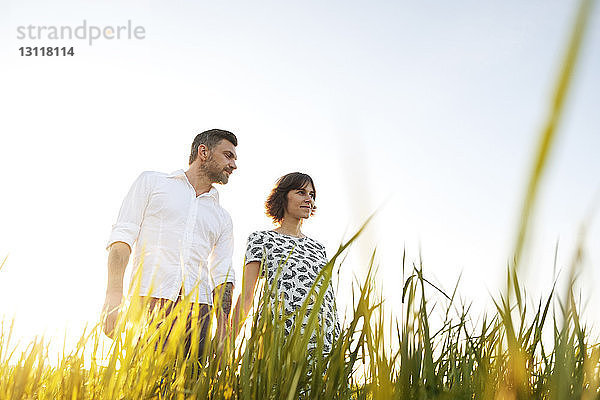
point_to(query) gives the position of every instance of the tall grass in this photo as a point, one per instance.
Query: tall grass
(455, 359)
(503, 356)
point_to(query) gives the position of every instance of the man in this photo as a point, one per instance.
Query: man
(183, 237)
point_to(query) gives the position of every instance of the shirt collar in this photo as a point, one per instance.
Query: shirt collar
(177, 173)
(181, 174)
(212, 193)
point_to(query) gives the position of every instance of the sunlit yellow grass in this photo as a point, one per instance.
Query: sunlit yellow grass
(452, 360)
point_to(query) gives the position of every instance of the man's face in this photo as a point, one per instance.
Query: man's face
(221, 162)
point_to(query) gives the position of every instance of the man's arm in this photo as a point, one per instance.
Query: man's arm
(123, 235)
(223, 276)
(118, 257)
(222, 302)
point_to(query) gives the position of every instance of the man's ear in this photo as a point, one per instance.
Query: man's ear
(203, 152)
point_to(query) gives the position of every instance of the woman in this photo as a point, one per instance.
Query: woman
(300, 258)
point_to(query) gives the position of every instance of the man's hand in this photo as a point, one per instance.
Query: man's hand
(110, 312)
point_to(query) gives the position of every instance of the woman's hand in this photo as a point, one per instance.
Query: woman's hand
(245, 299)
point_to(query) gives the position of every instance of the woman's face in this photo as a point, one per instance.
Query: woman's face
(300, 202)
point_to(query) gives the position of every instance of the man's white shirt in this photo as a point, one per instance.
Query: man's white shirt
(183, 242)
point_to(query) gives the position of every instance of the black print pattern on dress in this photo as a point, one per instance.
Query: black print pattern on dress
(301, 260)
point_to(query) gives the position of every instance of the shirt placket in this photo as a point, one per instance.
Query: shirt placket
(188, 237)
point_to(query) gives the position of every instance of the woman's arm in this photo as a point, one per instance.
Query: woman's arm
(245, 300)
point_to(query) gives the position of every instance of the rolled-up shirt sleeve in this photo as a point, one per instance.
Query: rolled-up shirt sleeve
(131, 214)
(221, 266)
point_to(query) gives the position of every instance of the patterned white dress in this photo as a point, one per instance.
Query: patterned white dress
(305, 259)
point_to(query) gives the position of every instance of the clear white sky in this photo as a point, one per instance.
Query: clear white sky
(431, 107)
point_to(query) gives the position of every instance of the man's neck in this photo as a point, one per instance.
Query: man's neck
(199, 181)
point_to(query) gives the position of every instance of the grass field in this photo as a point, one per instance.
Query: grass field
(502, 357)
(435, 351)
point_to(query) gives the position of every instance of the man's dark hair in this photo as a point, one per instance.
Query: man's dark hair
(210, 139)
(277, 200)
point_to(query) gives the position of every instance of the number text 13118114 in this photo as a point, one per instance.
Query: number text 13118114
(46, 51)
